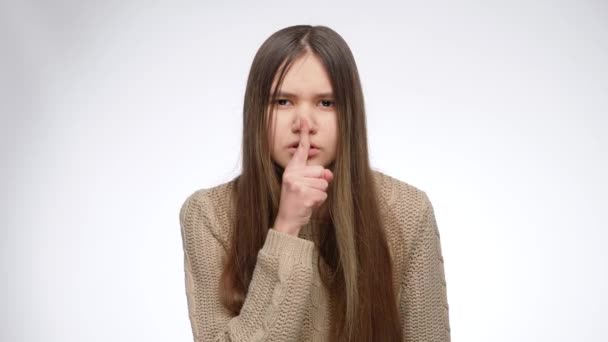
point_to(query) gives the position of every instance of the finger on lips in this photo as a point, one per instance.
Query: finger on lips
(300, 157)
(301, 154)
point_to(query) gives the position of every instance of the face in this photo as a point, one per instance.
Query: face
(305, 94)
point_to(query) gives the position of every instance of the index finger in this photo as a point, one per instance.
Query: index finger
(300, 157)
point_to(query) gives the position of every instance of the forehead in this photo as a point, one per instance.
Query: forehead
(306, 77)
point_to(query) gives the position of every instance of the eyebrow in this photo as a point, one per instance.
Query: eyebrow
(288, 94)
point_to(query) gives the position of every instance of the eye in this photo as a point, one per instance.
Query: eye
(328, 103)
(281, 102)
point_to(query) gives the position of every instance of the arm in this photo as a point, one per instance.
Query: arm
(423, 306)
(275, 305)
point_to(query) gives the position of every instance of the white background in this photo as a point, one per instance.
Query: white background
(114, 112)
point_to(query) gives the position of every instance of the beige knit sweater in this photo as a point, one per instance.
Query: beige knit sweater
(286, 300)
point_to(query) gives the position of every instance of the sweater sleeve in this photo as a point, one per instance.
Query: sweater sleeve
(275, 305)
(423, 305)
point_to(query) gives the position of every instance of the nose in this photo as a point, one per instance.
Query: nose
(295, 127)
(304, 113)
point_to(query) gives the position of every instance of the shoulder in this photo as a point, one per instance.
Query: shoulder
(208, 208)
(399, 195)
(404, 206)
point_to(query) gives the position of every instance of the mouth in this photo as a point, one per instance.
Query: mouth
(313, 151)
(296, 144)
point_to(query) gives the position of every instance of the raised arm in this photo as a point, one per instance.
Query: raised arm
(423, 305)
(278, 294)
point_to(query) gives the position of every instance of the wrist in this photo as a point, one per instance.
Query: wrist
(285, 227)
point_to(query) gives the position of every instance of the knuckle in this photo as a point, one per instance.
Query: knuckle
(316, 169)
(287, 183)
(297, 188)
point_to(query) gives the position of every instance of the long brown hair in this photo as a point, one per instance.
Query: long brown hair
(351, 240)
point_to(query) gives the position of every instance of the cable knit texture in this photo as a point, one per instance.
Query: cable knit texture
(286, 300)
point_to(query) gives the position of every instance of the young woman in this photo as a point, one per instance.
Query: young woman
(309, 243)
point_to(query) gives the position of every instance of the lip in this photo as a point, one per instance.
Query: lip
(296, 143)
(313, 151)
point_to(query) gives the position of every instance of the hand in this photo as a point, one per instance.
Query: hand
(303, 188)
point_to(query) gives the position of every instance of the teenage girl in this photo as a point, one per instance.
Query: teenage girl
(309, 243)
